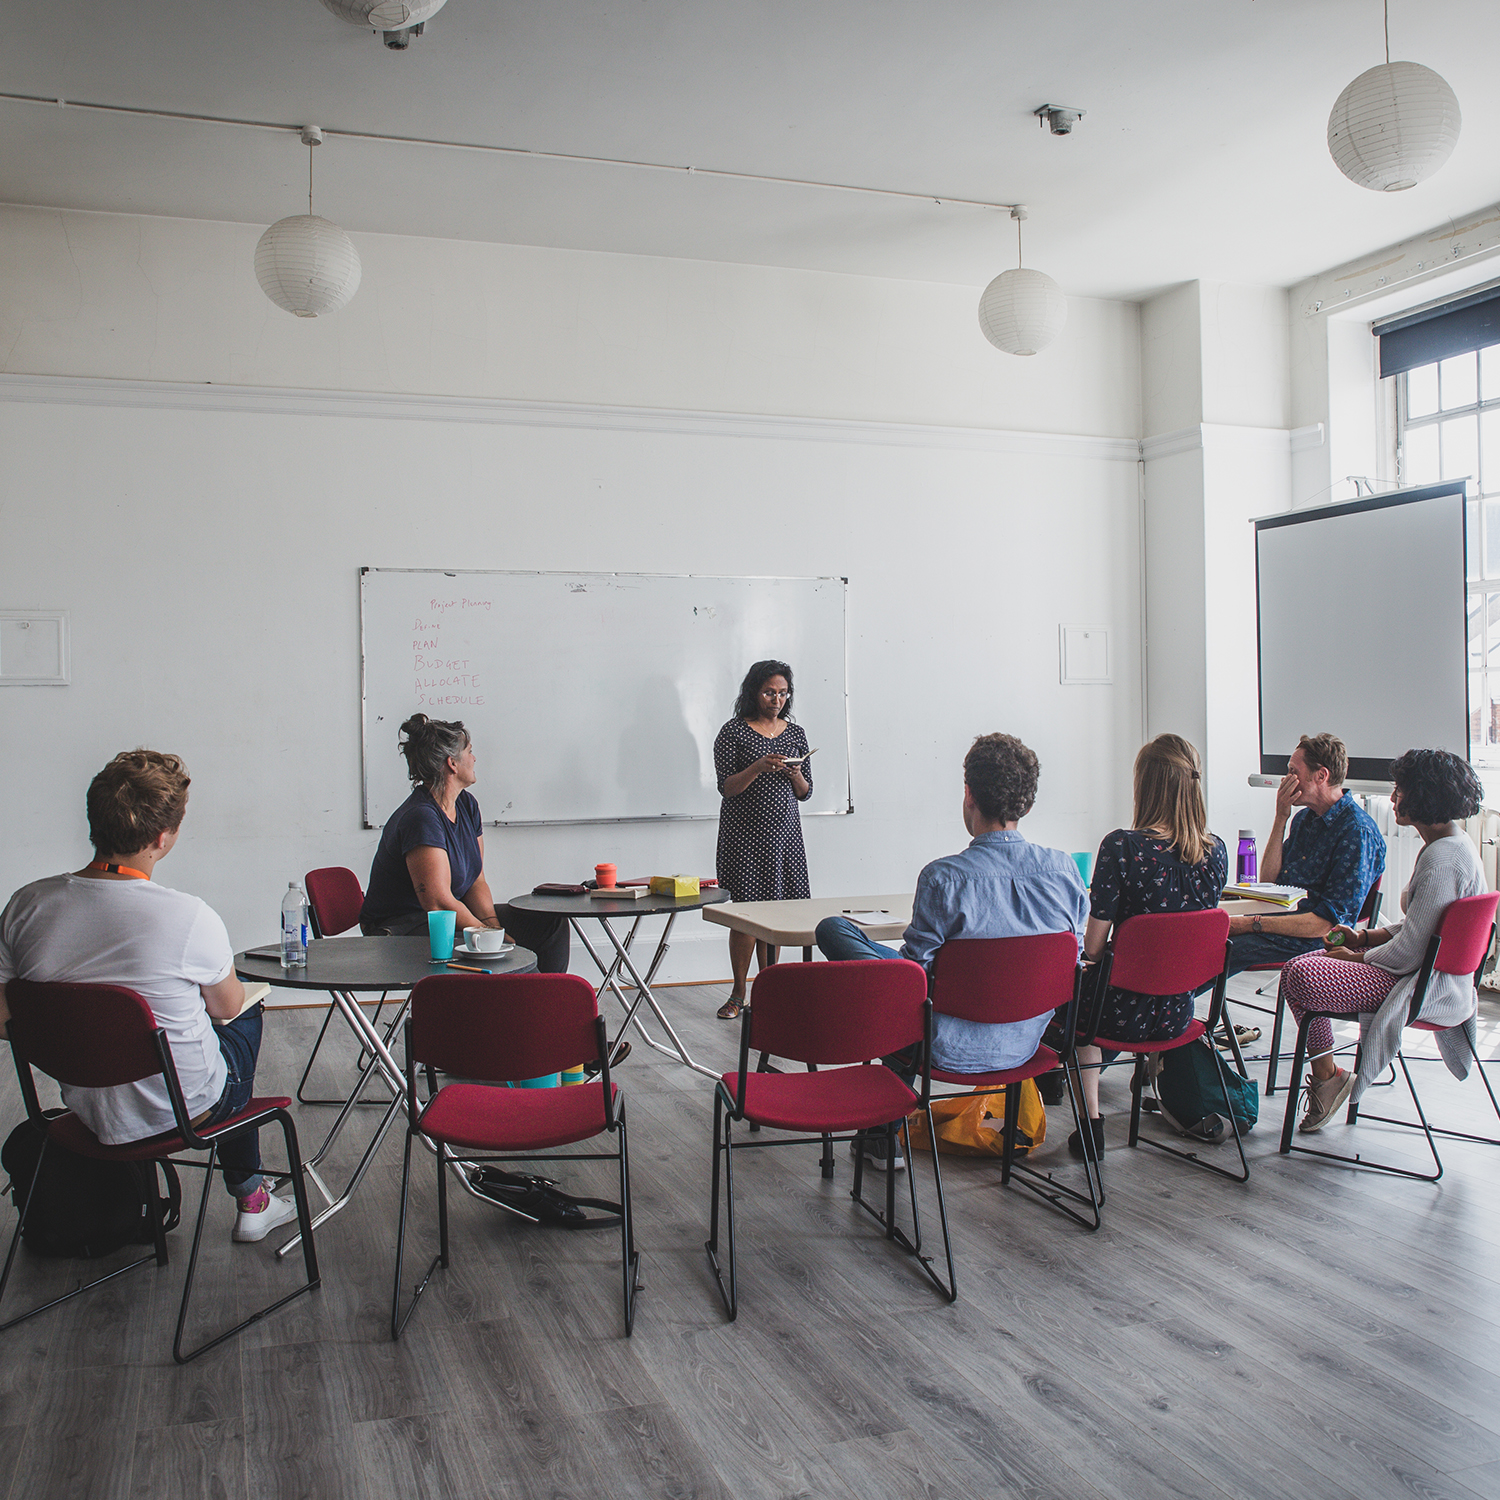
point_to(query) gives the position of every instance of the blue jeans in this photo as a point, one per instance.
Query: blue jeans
(839, 939)
(1251, 948)
(239, 1152)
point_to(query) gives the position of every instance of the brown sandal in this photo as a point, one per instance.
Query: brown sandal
(730, 1009)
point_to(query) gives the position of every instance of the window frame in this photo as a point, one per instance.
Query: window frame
(1482, 517)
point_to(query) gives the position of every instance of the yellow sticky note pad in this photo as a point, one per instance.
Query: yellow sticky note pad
(674, 885)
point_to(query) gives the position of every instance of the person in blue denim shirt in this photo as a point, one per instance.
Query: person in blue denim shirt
(1332, 850)
(1000, 886)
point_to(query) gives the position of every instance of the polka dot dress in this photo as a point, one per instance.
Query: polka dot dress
(760, 834)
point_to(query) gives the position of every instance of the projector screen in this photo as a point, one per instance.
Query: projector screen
(1362, 627)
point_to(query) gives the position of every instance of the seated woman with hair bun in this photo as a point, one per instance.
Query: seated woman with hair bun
(431, 852)
(1375, 971)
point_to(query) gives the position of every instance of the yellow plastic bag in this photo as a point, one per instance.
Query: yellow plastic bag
(975, 1125)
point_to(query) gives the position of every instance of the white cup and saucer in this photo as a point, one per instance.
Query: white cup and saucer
(488, 941)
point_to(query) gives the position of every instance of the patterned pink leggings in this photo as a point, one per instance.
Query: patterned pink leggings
(1315, 982)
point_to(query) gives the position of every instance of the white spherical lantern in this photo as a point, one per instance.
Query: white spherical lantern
(1393, 126)
(385, 15)
(1022, 311)
(307, 265)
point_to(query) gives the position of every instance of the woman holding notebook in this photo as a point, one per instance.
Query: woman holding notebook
(764, 771)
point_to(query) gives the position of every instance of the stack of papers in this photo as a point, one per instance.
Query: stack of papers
(1273, 895)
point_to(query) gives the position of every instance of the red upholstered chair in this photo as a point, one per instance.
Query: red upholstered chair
(829, 1015)
(1460, 945)
(1369, 914)
(498, 1028)
(334, 900)
(1168, 953)
(1017, 979)
(103, 1036)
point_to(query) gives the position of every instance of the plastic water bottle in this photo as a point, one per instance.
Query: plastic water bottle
(294, 930)
(1244, 865)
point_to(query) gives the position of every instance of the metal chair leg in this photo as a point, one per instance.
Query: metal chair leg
(398, 1319)
(723, 1125)
(304, 1223)
(630, 1256)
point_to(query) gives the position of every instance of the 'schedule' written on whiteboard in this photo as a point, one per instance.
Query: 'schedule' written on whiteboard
(593, 696)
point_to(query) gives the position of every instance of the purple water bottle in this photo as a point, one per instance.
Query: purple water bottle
(1244, 865)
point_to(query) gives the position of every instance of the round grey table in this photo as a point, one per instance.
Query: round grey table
(344, 967)
(601, 909)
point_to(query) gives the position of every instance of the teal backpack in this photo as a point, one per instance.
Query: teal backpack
(1188, 1087)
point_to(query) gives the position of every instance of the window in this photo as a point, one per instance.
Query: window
(1448, 427)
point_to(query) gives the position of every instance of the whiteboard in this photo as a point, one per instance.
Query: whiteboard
(594, 697)
(1333, 656)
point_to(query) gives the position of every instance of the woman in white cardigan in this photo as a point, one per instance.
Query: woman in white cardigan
(1375, 972)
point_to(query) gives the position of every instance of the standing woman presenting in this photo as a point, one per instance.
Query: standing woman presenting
(760, 834)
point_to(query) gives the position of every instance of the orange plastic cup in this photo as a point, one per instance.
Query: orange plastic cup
(605, 875)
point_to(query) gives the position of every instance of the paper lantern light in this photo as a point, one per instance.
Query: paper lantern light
(1394, 126)
(1022, 311)
(385, 15)
(307, 265)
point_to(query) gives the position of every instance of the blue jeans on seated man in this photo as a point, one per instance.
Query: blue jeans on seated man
(1252, 948)
(239, 1153)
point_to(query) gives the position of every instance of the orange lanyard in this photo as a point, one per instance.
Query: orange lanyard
(99, 864)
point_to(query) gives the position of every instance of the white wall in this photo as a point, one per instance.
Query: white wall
(1216, 402)
(176, 300)
(209, 557)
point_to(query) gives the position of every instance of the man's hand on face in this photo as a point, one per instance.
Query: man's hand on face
(1286, 794)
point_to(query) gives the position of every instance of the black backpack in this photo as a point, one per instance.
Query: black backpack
(82, 1207)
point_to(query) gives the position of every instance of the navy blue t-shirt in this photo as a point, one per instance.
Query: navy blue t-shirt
(419, 823)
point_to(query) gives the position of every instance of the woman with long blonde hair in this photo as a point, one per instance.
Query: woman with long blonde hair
(1166, 861)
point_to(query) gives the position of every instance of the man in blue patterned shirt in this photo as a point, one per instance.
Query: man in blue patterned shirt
(1333, 851)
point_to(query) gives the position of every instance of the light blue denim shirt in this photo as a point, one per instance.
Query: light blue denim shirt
(1000, 886)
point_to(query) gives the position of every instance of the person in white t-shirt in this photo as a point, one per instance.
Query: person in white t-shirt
(110, 923)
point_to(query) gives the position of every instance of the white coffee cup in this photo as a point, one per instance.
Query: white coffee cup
(483, 939)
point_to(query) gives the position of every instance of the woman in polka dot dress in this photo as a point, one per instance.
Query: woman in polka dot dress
(760, 834)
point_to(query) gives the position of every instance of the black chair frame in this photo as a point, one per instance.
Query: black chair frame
(727, 1112)
(1139, 1078)
(1422, 1123)
(195, 1140)
(1014, 1172)
(1369, 915)
(615, 1124)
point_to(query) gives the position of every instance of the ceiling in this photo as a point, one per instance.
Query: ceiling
(1202, 154)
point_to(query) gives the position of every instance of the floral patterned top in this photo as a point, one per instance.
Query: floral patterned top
(1138, 872)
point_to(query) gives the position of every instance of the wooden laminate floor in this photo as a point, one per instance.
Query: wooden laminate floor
(1316, 1333)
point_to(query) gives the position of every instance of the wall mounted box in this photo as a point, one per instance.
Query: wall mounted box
(33, 648)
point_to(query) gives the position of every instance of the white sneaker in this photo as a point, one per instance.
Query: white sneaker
(259, 1214)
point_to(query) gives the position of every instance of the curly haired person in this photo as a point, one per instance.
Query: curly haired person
(1000, 886)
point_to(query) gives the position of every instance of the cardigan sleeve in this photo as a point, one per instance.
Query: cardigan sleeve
(1436, 881)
